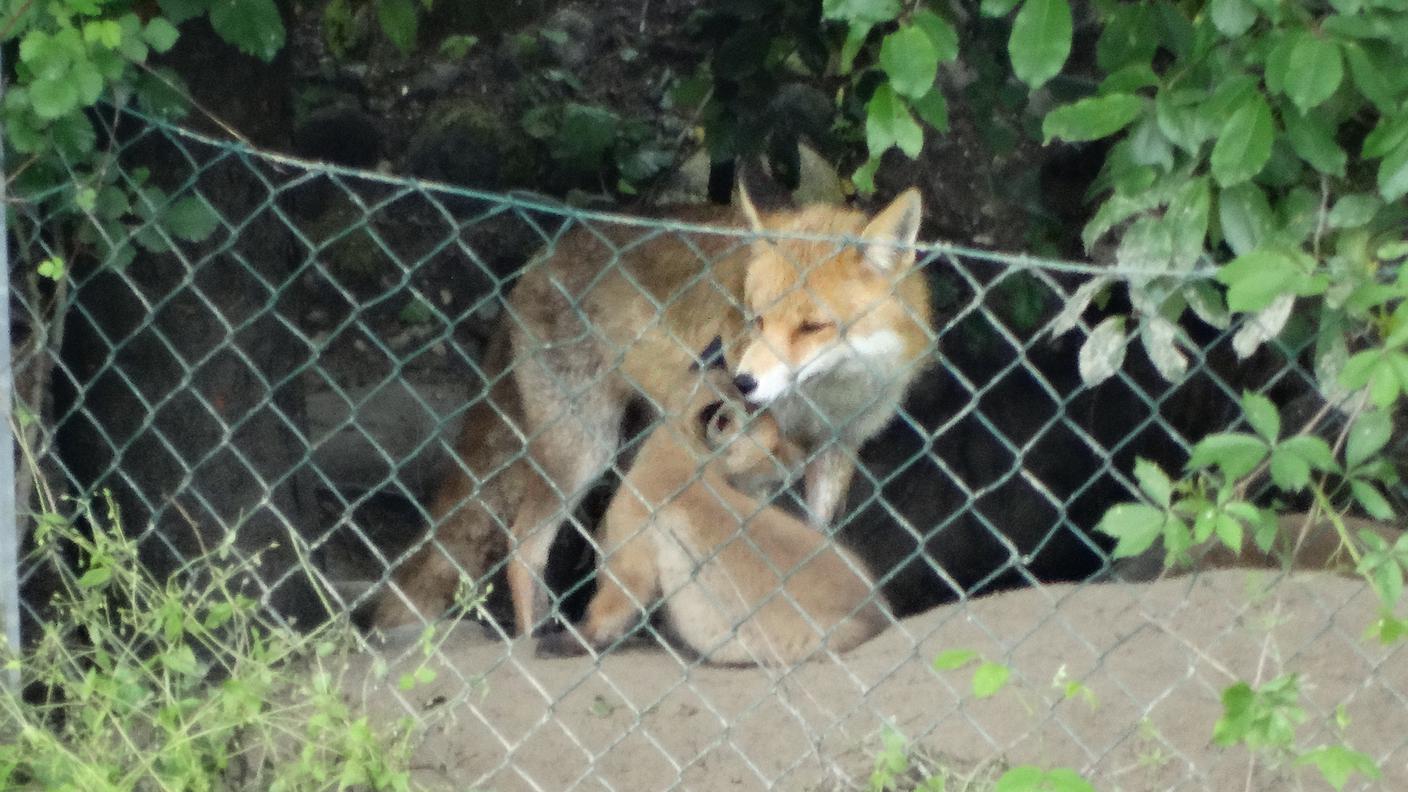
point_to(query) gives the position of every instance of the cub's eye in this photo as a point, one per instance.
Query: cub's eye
(810, 326)
(758, 323)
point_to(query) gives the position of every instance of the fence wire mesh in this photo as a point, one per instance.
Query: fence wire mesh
(330, 367)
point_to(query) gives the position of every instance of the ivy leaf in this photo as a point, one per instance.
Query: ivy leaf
(1041, 41)
(909, 58)
(1337, 763)
(989, 678)
(1369, 434)
(1134, 526)
(1371, 499)
(1261, 413)
(1314, 450)
(1244, 145)
(1091, 118)
(253, 26)
(954, 659)
(1317, 69)
(1154, 481)
(1289, 472)
(1235, 453)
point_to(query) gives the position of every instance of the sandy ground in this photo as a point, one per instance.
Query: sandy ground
(1155, 657)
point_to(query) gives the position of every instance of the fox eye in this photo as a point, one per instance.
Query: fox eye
(811, 326)
(758, 323)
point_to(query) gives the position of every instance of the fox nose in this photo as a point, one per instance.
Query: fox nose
(745, 383)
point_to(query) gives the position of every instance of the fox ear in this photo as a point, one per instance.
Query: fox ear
(889, 238)
(745, 203)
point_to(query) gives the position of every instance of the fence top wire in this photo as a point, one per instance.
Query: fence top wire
(537, 203)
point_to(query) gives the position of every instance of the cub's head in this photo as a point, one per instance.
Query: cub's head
(752, 454)
(816, 305)
(746, 443)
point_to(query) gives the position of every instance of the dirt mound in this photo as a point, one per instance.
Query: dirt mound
(1153, 657)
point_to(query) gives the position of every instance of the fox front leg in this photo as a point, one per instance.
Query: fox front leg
(828, 479)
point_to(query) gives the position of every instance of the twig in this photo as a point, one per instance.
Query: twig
(15, 19)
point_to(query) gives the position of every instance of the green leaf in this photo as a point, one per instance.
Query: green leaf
(400, 22)
(1337, 763)
(178, 11)
(253, 26)
(1290, 472)
(997, 8)
(933, 108)
(1367, 436)
(1314, 450)
(1244, 145)
(1232, 18)
(1313, 139)
(940, 32)
(989, 678)
(1235, 453)
(52, 268)
(1370, 77)
(190, 219)
(1246, 217)
(1134, 526)
(1387, 135)
(1354, 211)
(95, 577)
(1041, 41)
(1257, 278)
(1103, 352)
(1129, 37)
(1316, 71)
(909, 58)
(1261, 413)
(954, 659)
(856, 36)
(888, 122)
(871, 12)
(1371, 499)
(1154, 481)
(53, 98)
(1091, 118)
(1186, 219)
(1393, 173)
(160, 34)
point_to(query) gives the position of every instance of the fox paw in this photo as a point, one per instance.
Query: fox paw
(561, 643)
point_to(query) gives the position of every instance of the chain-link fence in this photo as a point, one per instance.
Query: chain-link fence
(336, 368)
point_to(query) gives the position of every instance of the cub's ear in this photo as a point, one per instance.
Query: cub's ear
(706, 415)
(889, 238)
(711, 357)
(745, 205)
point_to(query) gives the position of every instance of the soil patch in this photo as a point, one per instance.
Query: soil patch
(1154, 658)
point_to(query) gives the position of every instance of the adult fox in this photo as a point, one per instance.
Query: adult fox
(741, 582)
(831, 336)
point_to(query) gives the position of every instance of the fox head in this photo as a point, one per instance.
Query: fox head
(816, 307)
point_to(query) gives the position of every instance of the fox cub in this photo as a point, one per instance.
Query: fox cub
(742, 582)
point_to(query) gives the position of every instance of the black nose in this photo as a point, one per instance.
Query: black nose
(745, 383)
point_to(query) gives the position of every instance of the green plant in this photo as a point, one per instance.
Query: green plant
(181, 683)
